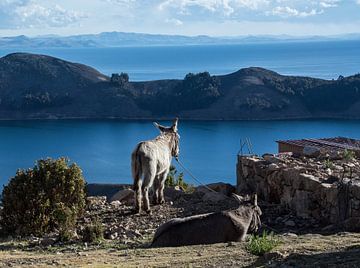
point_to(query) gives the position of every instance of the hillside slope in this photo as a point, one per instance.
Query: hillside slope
(39, 86)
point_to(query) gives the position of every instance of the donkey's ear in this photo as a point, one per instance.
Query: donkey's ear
(174, 126)
(254, 199)
(160, 127)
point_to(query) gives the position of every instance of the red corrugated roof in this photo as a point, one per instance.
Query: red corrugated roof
(326, 143)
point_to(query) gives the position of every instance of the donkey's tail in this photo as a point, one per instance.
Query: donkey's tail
(136, 167)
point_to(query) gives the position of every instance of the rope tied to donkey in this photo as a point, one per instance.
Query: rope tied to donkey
(193, 177)
(212, 190)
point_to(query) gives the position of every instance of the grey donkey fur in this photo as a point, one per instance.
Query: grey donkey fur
(224, 226)
(150, 164)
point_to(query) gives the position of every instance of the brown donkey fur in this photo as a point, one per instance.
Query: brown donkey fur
(230, 225)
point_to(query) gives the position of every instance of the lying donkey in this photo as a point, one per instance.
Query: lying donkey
(230, 225)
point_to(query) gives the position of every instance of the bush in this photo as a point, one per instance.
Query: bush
(259, 245)
(349, 155)
(46, 198)
(172, 180)
(197, 91)
(94, 232)
(328, 164)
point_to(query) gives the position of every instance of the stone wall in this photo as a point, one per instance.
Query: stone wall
(307, 188)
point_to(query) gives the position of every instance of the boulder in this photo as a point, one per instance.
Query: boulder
(214, 197)
(301, 204)
(352, 224)
(273, 167)
(291, 174)
(306, 182)
(355, 189)
(173, 193)
(96, 200)
(125, 196)
(224, 188)
(202, 189)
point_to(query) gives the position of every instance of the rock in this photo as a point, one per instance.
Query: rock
(301, 203)
(273, 167)
(114, 235)
(306, 182)
(269, 256)
(96, 200)
(291, 174)
(115, 203)
(48, 241)
(290, 235)
(173, 193)
(125, 196)
(290, 223)
(213, 197)
(272, 158)
(310, 151)
(224, 188)
(352, 224)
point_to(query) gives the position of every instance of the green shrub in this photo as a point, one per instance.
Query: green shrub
(328, 164)
(173, 180)
(260, 244)
(93, 232)
(46, 198)
(349, 155)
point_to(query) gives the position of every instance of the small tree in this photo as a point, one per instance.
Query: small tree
(50, 196)
(175, 180)
(120, 79)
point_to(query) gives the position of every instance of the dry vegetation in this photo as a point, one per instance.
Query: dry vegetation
(310, 250)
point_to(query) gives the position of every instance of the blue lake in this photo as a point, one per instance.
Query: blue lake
(103, 148)
(208, 149)
(318, 59)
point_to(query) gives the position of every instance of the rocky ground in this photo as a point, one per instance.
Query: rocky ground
(128, 236)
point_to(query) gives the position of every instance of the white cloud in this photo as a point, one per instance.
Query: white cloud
(174, 21)
(231, 8)
(121, 2)
(286, 12)
(30, 14)
(226, 7)
(329, 3)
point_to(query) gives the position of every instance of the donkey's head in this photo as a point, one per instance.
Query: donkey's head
(256, 211)
(171, 131)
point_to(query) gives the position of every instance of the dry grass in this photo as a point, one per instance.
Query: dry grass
(307, 250)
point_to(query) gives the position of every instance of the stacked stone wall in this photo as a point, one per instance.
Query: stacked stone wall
(328, 199)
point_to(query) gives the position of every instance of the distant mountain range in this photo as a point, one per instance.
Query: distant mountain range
(42, 87)
(120, 39)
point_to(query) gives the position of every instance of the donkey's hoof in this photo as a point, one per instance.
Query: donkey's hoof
(162, 201)
(136, 211)
(149, 212)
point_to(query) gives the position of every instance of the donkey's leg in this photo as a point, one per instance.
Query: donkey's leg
(145, 192)
(156, 188)
(162, 177)
(149, 177)
(138, 197)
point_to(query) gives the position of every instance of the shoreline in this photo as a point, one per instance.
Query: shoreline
(167, 118)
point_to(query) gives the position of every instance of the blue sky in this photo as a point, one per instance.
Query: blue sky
(186, 17)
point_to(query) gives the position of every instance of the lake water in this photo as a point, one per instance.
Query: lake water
(318, 59)
(208, 149)
(103, 148)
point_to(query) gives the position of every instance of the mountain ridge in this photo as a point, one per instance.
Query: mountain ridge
(121, 39)
(43, 87)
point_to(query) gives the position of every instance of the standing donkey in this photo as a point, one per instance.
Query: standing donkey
(150, 164)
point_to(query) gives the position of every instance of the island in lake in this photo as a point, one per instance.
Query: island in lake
(43, 87)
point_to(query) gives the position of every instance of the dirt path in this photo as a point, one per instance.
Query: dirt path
(310, 250)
